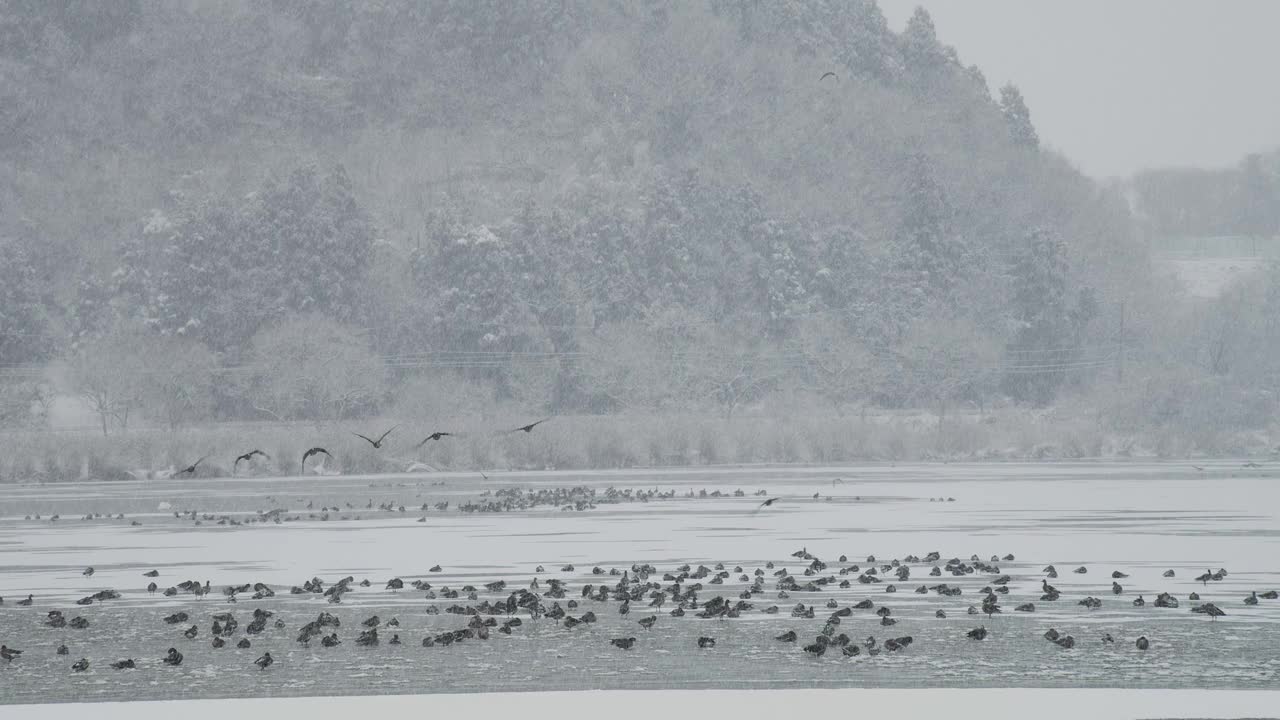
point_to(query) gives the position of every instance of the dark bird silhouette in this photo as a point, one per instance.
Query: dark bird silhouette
(1213, 611)
(624, 643)
(264, 662)
(248, 457)
(9, 653)
(126, 664)
(433, 436)
(895, 644)
(313, 451)
(818, 648)
(190, 469)
(1143, 643)
(173, 657)
(767, 503)
(978, 633)
(1198, 468)
(81, 665)
(827, 75)
(377, 444)
(530, 426)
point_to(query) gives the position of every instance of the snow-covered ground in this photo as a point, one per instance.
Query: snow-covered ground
(1208, 277)
(1138, 518)
(990, 704)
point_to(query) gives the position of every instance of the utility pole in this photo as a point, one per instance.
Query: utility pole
(1120, 350)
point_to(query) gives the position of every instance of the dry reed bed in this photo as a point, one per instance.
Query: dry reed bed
(597, 442)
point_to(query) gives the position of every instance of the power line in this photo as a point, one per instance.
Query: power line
(487, 360)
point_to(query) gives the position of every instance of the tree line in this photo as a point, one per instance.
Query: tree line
(312, 210)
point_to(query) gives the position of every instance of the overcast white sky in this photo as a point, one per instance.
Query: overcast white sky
(1121, 85)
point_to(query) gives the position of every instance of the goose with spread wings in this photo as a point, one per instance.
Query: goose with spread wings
(434, 436)
(247, 457)
(190, 468)
(530, 426)
(313, 451)
(377, 444)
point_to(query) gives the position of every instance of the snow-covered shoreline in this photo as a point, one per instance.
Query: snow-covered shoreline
(991, 704)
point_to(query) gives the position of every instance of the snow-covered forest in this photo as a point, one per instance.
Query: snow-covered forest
(320, 211)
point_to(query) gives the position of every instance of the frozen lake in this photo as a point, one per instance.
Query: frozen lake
(1138, 518)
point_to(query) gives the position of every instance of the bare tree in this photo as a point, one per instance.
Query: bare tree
(727, 372)
(314, 368)
(177, 381)
(947, 358)
(838, 366)
(107, 373)
(633, 366)
(531, 378)
(19, 400)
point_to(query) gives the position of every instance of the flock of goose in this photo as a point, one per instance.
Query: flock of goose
(376, 444)
(706, 593)
(502, 500)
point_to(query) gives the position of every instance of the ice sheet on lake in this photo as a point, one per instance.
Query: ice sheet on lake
(1138, 518)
